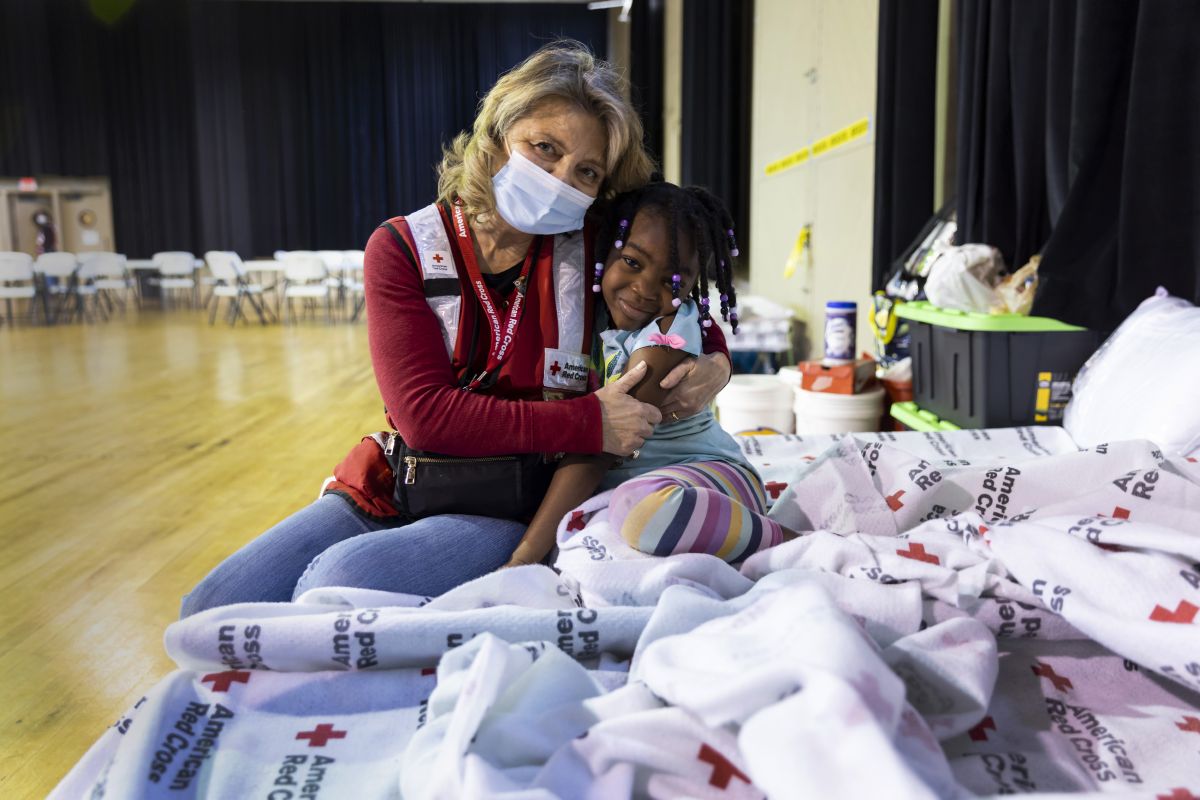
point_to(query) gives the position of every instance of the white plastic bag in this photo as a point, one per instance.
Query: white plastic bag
(1144, 382)
(963, 278)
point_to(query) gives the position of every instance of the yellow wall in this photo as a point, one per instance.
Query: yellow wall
(814, 73)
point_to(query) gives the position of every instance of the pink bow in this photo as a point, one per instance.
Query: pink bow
(668, 340)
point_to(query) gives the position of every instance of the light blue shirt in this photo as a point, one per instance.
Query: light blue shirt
(697, 438)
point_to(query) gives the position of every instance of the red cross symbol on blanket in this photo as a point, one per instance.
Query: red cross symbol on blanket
(723, 768)
(979, 732)
(1189, 724)
(893, 501)
(221, 681)
(1178, 793)
(1047, 671)
(555, 369)
(437, 257)
(916, 552)
(321, 736)
(1184, 613)
(1120, 513)
(775, 488)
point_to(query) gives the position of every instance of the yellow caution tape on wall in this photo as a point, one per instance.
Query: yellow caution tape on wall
(793, 260)
(822, 146)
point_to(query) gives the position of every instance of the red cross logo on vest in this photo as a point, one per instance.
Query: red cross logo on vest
(723, 768)
(979, 732)
(893, 501)
(1184, 613)
(1178, 793)
(916, 552)
(775, 488)
(1120, 513)
(437, 257)
(555, 369)
(576, 522)
(321, 736)
(221, 681)
(1047, 671)
(1189, 724)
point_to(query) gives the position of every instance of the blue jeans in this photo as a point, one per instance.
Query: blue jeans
(329, 544)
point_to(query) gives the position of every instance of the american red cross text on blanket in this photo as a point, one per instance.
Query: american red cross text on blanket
(971, 613)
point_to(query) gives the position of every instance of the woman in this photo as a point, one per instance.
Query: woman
(511, 326)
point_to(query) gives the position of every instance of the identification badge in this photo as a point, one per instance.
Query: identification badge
(564, 370)
(440, 263)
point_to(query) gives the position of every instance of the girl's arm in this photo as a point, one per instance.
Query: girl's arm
(578, 476)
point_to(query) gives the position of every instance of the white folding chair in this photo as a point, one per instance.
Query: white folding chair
(110, 277)
(57, 282)
(335, 265)
(16, 282)
(86, 290)
(353, 280)
(231, 283)
(177, 269)
(305, 277)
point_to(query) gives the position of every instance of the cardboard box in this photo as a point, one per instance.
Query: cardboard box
(844, 379)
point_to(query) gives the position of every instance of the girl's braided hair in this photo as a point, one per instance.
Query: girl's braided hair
(701, 215)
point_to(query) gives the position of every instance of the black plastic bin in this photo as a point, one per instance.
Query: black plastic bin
(994, 371)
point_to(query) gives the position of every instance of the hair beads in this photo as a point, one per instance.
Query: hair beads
(702, 218)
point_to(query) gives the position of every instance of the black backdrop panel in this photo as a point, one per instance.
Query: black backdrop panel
(718, 56)
(1079, 137)
(253, 126)
(905, 120)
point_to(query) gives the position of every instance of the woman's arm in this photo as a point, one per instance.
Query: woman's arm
(419, 390)
(578, 476)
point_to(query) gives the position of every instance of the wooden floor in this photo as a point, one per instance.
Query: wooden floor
(135, 454)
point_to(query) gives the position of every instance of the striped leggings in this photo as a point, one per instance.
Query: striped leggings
(706, 507)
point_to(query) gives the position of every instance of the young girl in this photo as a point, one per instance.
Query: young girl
(688, 489)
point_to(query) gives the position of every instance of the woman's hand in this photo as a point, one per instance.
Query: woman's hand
(627, 422)
(693, 385)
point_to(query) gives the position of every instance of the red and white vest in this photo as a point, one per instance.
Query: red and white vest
(563, 309)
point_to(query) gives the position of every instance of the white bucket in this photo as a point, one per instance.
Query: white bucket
(754, 402)
(826, 412)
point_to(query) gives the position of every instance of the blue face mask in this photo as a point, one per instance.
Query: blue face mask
(534, 201)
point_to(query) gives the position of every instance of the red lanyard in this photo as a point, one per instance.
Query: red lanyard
(503, 333)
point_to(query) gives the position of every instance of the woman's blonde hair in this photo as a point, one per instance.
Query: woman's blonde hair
(564, 70)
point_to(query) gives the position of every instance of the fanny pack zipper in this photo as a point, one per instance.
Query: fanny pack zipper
(410, 464)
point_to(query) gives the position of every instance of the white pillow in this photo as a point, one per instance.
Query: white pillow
(1144, 382)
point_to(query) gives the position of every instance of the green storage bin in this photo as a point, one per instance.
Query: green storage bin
(994, 370)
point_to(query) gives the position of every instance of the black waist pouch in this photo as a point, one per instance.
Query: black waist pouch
(428, 484)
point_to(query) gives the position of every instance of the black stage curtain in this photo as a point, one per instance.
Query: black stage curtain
(905, 127)
(1079, 137)
(718, 55)
(254, 126)
(646, 69)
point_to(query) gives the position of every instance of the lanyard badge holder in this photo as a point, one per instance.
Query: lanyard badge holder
(504, 333)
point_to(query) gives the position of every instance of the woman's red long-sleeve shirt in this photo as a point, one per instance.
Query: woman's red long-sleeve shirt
(420, 388)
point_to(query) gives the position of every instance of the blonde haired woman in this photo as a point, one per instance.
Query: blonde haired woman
(479, 317)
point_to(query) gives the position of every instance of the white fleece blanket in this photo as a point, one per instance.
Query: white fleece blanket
(973, 613)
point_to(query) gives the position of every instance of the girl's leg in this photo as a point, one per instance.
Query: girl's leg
(427, 557)
(707, 507)
(266, 569)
